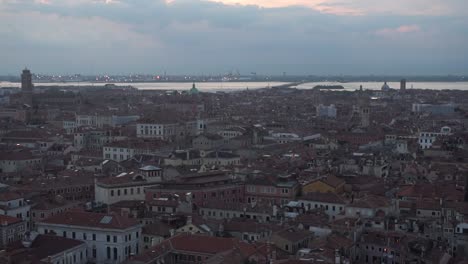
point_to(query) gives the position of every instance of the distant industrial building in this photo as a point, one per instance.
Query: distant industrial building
(435, 109)
(326, 111)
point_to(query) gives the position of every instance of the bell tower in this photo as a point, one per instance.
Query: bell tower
(26, 86)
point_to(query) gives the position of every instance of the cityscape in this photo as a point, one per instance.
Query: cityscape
(243, 141)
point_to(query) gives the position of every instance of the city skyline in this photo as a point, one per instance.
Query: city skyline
(320, 37)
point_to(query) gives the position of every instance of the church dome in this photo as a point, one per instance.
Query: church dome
(385, 87)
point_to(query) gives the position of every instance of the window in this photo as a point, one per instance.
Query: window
(112, 192)
(108, 253)
(108, 238)
(73, 235)
(115, 254)
(94, 237)
(64, 233)
(115, 239)
(118, 192)
(94, 252)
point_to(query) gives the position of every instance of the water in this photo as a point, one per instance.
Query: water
(237, 86)
(351, 86)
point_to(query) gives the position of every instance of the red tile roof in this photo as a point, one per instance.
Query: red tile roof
(42, 247)
(9, 220)
(88, 219)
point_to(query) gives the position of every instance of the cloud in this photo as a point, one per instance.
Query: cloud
(195, 36)
(404, 29)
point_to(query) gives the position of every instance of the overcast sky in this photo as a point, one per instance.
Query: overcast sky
(210, 37)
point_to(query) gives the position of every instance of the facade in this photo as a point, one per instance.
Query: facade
(108, 238)
(332, 204)
(326, 111)
(11, 230)
(435, 109)
(207, 141)
(201, 188)
(426, 139)
(18, 160)
(157, 130)
(127, 186)
(14, 205)
(277, 191)
(124, 150)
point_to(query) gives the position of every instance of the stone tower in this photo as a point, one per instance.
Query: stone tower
(26, 86)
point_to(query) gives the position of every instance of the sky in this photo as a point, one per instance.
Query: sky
(316, 37)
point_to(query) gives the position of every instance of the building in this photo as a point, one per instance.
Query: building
(291, 239)
(36, 248)
(326, 111)
(187, 248)
(201, 188)
(127, 186)
(169, 129)
(332, 204)
(327, 184)
(27, 87)
(434, 109)
(278, 190)
(11, 230)
(127, 149)
(207, 141)
(14, 205)
(403, 85)
(108, 238)
(427, 139)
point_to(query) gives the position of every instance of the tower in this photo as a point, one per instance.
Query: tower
(26, 86)
(365, 116)
(403, 85)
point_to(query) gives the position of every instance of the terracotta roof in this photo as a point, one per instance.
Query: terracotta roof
(333, 181)
(294, 235)
(9, 196)
(9, 220)
(323, 197)
(94, 220)
(42, 247)
(209, 245)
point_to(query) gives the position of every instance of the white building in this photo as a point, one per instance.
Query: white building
(332, 204)
(326, 111)
(426, 139)
(156, 130)
(104, 120)
(124, 150)
(18, 160)
(109, 238)
(435, 109)
(127, 186)
(12, 204)
(50, 249)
